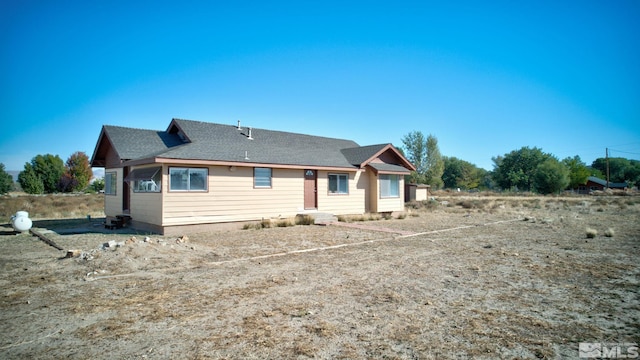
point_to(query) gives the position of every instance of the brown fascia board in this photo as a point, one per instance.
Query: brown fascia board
(95, 150)
(104, 136)
(192, 162)
(404, 160)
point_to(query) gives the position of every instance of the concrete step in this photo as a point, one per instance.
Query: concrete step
(323, 218)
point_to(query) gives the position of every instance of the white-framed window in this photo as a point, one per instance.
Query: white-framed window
(262, 178)
(188, 179)
(147, 180)
(338, 184)
(110, 183)
(389, 186)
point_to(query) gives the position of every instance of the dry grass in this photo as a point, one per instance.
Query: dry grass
(52, 206)
(471, 286)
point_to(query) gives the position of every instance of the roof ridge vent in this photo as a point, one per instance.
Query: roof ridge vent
(249, 136)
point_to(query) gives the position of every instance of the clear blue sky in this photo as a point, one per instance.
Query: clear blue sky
(484, 77)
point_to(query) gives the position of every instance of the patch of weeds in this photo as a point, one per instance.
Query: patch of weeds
(591, 233)
(307, 220)
(265, 223)
(401, 216)
(414, 214)
(609, 232)
(387, 216)
(284, 223)
(342, 218)
(599, 209)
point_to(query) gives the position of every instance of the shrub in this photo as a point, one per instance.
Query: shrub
(306, 220)
(591, 233)
(402, 216)
(609, 232)
(342, 218)
(284, 223)
(265, 223)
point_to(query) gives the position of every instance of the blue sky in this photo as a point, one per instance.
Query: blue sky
(484, 77)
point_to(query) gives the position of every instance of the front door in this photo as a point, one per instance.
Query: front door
(310, 189)
(126, 202)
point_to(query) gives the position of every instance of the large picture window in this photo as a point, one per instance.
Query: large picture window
(188, 179)
(110, 183)
(389, 186)
(262, 177)
(338, 184)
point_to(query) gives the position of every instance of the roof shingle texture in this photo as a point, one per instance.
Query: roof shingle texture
(220, 142)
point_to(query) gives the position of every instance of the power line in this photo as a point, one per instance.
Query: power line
(625, 152)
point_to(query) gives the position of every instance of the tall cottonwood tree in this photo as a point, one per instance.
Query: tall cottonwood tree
(435, 163)
(415, 149)
(425, 155)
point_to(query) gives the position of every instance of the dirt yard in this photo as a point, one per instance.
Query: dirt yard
(469, 278)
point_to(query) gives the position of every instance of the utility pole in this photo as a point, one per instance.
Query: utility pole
(607, 159)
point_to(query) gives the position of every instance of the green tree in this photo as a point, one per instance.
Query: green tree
(47, 169)
(30, 181)
(515, 170)
(79, 170)
(578, 171)
(550, 177)
(435, 163)
(617, 167)
(6, 180)
(97, 185)
(415, 149)
(461, 174)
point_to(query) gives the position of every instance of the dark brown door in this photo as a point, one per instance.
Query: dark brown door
(310, 189)
(125, 192)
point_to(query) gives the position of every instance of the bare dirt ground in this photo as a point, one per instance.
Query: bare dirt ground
(477, 278)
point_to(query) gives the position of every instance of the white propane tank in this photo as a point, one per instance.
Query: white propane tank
(21, 222)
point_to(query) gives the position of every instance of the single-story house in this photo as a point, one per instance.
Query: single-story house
(197, 173)
(596, 184)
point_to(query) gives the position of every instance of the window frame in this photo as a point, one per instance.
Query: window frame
(256, 178)
(390, 187)
(188, 183)
(338, 177)
(112, 182)
(156, 181)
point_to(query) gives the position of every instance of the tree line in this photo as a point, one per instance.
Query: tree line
(47, 174)
(525, 169)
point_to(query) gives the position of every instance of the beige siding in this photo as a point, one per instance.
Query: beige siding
(232, 197)
(352, 203)
(113, 203)
(147, 207)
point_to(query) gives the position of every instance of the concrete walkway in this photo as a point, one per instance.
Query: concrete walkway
(370, 227)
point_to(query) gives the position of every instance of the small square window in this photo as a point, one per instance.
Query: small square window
(262, 177)
(338, 184)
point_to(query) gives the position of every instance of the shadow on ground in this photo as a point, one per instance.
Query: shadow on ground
(80, 226)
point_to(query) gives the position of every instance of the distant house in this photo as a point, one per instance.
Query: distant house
(597, 184)
(197, 173)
